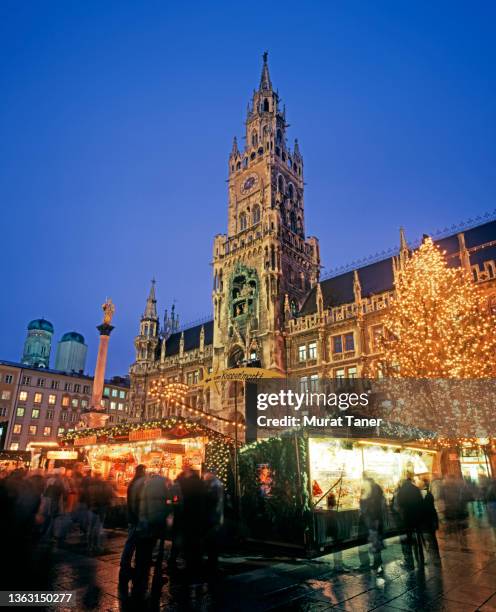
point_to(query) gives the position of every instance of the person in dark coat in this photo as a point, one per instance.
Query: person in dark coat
(154, 509)
(214, 511)
(411, 509)
(372, 506)
(134, 492)
(193, 519)
(430, 522)
(99, 499)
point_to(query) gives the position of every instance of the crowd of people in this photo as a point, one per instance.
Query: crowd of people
(39, 510)
(189, 512)
(420, 507)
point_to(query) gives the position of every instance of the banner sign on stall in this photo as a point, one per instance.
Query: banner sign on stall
(62, 454)
(179, 449)
(87, 441)
(242, 374)
(144, 434)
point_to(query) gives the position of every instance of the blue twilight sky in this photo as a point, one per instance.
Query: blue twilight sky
(117, 117)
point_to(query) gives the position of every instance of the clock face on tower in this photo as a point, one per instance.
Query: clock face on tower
(249, 183)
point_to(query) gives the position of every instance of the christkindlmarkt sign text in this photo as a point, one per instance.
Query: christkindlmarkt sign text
(243, 374)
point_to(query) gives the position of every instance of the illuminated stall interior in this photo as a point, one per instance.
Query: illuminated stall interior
(161, 456)
(342, 463)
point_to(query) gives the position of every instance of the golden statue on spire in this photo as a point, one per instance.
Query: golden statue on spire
(108, 311)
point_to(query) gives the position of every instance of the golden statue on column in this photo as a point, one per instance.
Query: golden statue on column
(95, 416)
(108, 311)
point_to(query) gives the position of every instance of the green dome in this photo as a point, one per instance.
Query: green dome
(73, 337)
(41, 324)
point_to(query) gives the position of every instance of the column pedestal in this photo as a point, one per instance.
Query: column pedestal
(93, 419)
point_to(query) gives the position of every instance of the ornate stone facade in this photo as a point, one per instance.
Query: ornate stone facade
(269, 306)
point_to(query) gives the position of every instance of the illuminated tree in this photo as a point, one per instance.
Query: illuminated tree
(438, 325)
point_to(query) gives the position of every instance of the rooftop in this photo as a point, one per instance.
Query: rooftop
(117, 381)
(377, 277)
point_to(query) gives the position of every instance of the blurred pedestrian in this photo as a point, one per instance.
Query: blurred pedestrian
(151, 527)
(52, 503)
(214, 512)
(20, 500)
(411, 506)
(430, 520)
(490, 498)
(134, 493)
(99, 500)
(372, 508)
(193, 524)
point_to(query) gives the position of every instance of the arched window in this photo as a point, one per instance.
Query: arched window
(254, 139)
(245, 162)
(292, 221)
(260, 150)
(238, 166)
(280, 184)
(256, 214)
(253, 155)
(290, 191)
(266, 105)
(242, 221)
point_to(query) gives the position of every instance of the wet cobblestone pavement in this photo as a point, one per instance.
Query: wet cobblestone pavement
(463, 580)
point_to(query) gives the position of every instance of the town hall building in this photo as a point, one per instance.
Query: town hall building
(270, 307)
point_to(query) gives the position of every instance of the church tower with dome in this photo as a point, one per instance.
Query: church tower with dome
(38, 344)
(71, 353)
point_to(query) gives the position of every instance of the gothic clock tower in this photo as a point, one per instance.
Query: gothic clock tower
(265, 265)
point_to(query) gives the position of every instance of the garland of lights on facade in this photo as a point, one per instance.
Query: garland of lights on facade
(174, 394)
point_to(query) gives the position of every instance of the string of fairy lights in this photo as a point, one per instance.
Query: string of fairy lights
(175, 395)
(178, 425)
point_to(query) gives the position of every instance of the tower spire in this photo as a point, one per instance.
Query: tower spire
(404, 252)
(265, 82)
(151, 303)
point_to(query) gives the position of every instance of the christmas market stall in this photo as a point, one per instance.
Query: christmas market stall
(12, 460)
(165, 446)
(302, 489)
